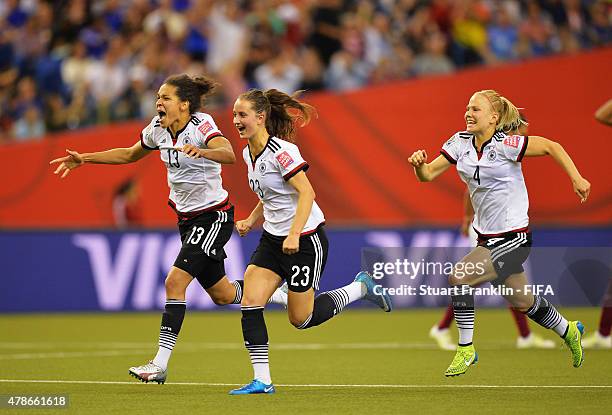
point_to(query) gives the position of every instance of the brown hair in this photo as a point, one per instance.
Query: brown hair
(282, 111)
(510, 118)
(192, 89)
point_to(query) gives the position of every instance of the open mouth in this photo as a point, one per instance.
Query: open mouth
(162, 115)
(241, 129)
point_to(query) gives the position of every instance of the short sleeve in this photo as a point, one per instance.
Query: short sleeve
(514, 147)
(208, 129)
(450, 149)
(290, 161)
(147, 136)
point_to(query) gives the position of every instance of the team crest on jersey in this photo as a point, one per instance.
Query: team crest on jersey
(205, 128)
(492, 155)
(284, 159)
(262, 168)
(512, 141)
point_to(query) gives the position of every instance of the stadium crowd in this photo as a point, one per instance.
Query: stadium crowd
(67, 64)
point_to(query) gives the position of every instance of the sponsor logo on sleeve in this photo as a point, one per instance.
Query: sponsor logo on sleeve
(284, 159)
(205, 128)
(512, 141)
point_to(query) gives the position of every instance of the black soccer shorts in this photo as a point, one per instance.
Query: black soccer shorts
(508, 253)
(203, 238)
(301, 270)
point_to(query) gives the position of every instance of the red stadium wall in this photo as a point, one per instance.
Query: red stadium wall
(357, 149)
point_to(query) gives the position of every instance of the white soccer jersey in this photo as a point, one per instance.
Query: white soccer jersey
(494, 179)
(195, 184)
(268, 174)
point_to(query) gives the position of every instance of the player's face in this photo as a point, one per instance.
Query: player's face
(246, 120)
(169, 106)
(479, 115)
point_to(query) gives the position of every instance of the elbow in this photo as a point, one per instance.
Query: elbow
(554, 148)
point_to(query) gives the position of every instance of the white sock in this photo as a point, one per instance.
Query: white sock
(162, 357)
(561, 328)
(261, 372)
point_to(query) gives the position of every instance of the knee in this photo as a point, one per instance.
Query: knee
(174, 287)
(222, 300)
(298, 320)
(455, 280)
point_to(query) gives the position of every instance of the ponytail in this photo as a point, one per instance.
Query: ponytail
(283, 112)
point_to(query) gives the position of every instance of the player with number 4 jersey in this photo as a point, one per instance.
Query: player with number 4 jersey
(488, 159)
(293, 246)
(193, 149)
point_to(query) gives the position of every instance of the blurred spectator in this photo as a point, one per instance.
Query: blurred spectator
(536, 31)
(503, 35)
(326, 31)
(280, 72)
(126, 205)
(433, 60)
(29, 126)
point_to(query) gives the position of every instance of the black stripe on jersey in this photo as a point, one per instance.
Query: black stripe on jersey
(448, 157)
(146, 146)
(302, 167)
(522, 153)
(274, 146)
(215, 135)
(499, 136)
(195, 120)
(465, 135)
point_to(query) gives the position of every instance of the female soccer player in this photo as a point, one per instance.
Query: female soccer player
(293, 246)
(193, 149)
(488, 161)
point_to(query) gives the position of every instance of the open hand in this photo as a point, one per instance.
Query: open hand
(67, 163)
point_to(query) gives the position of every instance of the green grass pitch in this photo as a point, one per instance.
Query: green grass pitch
(360, 362)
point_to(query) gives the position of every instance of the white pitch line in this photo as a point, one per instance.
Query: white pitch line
(314, 385)
(126, 349)
(191, 347)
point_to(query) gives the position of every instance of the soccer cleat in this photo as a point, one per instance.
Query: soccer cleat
(597, 341)
(573, 340)
(382, 300)
(442, 337)
(149, 373)
(256, 386)
(464, 358)
(533, 341)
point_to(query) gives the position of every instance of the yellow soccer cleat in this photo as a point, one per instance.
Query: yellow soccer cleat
(464, 358)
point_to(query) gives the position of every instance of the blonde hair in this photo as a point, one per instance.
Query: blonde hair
(510, 118)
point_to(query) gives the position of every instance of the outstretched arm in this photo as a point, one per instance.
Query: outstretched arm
(427, 172)
(604, 113)
(540, 146)
(115, 156)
